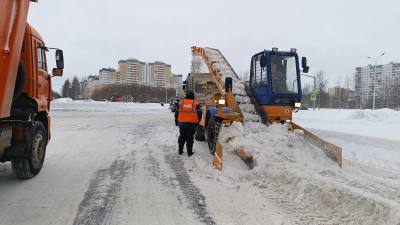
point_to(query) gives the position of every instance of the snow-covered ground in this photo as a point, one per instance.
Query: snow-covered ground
(117, 163)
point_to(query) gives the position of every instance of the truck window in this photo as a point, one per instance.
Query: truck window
(41, 58)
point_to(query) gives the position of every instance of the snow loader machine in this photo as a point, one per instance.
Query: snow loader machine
(25, 90)
(271, 95)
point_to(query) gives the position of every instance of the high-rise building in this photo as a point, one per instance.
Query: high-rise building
(176, 81)
(107, 76)
(133, 71)
(383, 79)
(160, 74)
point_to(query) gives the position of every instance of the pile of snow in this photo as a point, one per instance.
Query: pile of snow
(62, 100)
(382, 123)
(380, 115)
(303, 181)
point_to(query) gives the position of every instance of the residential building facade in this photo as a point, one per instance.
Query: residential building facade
(160, 74)
(382, 79)
(108, 76)
(134, 71)
(93, 85)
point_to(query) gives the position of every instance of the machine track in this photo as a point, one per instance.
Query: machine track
(239, 89)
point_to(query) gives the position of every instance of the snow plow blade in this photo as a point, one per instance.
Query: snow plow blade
(217, 162)
(334, 152)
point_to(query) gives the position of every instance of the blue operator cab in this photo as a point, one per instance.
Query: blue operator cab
(275, 82)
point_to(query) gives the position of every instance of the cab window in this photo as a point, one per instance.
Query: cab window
(41, 58)
(259, 73)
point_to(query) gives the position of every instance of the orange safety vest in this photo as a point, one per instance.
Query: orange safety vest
(187, 112)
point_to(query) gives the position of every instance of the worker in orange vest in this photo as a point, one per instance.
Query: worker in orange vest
(187, 118)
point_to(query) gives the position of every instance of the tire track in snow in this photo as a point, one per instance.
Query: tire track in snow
(101, 194)
(197, 201)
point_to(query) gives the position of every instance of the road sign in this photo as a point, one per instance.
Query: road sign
(313, 97)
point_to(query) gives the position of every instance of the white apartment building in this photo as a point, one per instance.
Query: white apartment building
(107, 76)
(382, 79)
(176, 81)
(133, 71)
(160, 74)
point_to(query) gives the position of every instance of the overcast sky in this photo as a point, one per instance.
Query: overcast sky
(335, 35)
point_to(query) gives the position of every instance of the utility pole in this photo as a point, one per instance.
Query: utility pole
(374, 83)
(166, 93)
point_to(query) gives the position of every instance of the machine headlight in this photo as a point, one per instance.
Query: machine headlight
(221, 101)
(297, 104)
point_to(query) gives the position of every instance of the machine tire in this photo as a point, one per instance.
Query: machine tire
(213, 128)
(30, 167)
(200, 133)
(20, 81)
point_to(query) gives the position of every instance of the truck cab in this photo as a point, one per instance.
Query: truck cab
(25, 90)
(275, 82)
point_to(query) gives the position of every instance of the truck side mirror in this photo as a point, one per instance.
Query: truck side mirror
(59, 59)
(263, 61)
(304, 65)
(184, 85)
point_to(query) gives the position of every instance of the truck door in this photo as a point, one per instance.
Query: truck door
(43, 93)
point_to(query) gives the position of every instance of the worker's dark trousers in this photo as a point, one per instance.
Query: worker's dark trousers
(186, 135)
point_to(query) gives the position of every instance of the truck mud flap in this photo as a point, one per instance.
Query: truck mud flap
(334, 152)
(5, 138)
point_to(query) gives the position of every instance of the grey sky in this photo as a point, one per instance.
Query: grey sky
(335, 35)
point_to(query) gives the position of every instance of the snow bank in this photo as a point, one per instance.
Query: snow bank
(62, 100)
(67, 104)
(380, 115)
(382, 123)
(304, 182)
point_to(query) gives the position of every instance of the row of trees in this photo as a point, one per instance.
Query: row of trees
(78, 89)
(133, 93)
(74, 89)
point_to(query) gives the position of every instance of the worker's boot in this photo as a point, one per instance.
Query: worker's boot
(181, 143)
(189, 147)
(180, 151)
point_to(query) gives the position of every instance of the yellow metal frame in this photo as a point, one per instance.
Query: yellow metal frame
(278, 113)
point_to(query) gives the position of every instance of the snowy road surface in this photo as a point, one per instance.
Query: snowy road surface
(110, 163)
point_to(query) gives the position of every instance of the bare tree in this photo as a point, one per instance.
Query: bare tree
(339, 94)
(75, 88)
(322, 84)
(133, 93)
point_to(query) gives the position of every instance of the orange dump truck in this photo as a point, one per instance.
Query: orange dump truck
(25, 90)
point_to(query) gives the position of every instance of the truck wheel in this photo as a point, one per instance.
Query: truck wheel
(30, 167)
(199, 135)
(20, 81)
(212, 133)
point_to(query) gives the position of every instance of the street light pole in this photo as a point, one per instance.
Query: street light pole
(166, 93)
(374, 83)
